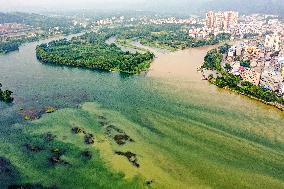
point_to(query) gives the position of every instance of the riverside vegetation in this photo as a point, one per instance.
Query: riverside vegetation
(14, 44)
(168, 36)
(213, 60)
(6, 95)
(91, 51)
(45, 23)
(9, 46)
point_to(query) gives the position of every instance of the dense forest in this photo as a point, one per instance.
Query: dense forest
(91, 51)
(14, 44)
(9, 46)
(6, 95)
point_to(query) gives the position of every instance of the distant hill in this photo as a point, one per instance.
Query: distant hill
(36, 20)
(201, 6)
(183, 7)
(6, 18)
(246, 6)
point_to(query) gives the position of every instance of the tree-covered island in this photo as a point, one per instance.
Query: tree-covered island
(91, 51)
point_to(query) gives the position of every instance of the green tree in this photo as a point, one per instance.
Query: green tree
(228, 67)
(6, 96)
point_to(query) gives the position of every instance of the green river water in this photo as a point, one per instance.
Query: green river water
(185, 133)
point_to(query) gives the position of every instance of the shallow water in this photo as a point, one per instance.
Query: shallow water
(187, 133)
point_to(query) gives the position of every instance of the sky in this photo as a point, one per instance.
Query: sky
(12, 5)
(177, 6)
(68, 4)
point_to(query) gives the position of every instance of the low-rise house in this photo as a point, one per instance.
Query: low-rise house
(250, 75)
(272, 42)
(281, 92)
(239, 51)
(271, 80)
(235, 68)
(232, 51)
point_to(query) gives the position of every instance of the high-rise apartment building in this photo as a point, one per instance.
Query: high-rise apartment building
(210, 19)
(222, 20)
(273, 42)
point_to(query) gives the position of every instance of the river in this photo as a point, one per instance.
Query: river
(186, 131)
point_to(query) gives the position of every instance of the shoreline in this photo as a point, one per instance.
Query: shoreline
(274, 104)
(40, 39)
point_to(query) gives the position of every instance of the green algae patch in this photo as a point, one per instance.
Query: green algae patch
(63, 159)
(50, 110)
(95, 147)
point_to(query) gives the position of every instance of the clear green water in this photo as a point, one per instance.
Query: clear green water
(187, 134)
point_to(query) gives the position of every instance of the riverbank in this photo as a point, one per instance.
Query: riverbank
(19, 42)
(215, 74)
(274, 104)
(205, 76)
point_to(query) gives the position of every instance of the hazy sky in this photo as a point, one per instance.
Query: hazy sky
(68, 4)
(11, 5)
(176, 6)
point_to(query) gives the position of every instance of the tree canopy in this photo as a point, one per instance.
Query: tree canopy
(6, 95)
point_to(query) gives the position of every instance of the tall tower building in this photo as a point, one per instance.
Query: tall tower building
(222, 20)
(230, 19)
(210, 17)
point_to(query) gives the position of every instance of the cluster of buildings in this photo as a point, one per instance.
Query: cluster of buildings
(258, 25)
(260, 62)
(16, 31)
(81, 22)
(214, 24)
(146, 20)
(8, 28)
(104, 22)
(113, 20)
(239, 26)
(171, 20)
